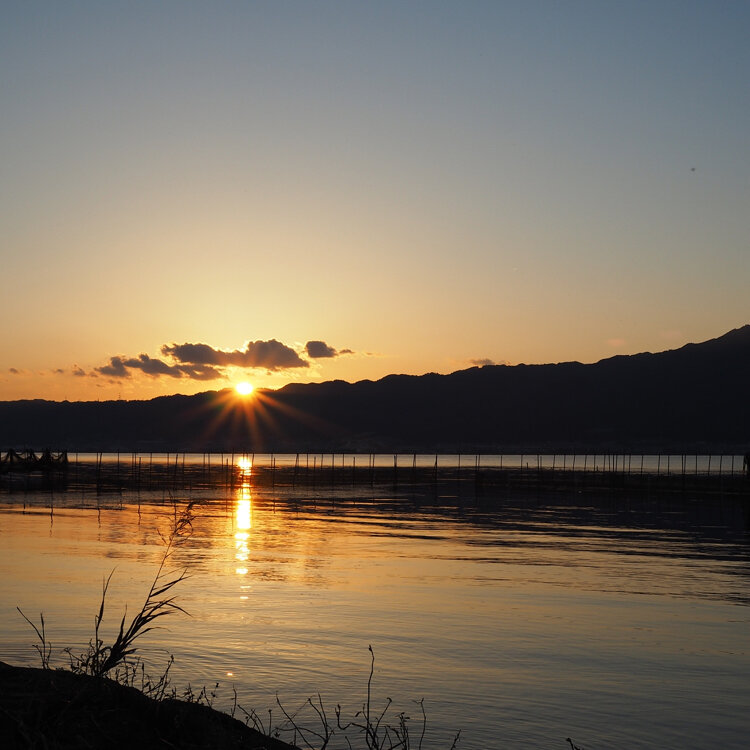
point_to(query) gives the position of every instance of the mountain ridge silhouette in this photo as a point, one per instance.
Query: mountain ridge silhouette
(689, 399)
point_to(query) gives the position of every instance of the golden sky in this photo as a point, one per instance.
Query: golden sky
(196, 194)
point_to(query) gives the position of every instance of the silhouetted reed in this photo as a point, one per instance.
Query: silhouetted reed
(311, 724)
(368, 729)
(44, 647)
(99, 659)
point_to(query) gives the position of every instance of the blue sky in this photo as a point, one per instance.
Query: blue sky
(424, 184)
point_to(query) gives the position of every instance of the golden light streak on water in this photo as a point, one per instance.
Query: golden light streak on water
(243, 515)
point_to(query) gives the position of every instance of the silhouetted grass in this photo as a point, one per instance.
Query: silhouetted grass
(368, 728)
(311, 726)
(100, 659)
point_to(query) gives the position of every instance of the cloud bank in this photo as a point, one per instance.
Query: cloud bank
(199, 361)
(267, 355)
(121, 367)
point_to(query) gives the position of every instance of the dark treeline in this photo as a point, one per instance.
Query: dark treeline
(692, 399)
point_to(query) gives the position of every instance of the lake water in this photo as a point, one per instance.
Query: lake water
(521, 619)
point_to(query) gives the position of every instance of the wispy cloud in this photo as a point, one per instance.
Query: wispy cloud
(616, 343)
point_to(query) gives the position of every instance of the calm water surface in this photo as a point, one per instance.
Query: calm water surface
(521, 620)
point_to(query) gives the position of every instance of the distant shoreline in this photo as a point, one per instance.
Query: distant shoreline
(610, 472)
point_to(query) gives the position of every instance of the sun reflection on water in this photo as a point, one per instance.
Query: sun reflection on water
(243, 515)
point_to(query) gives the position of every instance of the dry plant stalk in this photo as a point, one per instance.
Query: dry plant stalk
(99, 659)
(43, 648)
(367, 729)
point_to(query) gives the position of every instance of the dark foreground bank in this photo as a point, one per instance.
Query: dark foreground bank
(58, 709)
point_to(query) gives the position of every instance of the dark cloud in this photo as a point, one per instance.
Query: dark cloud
(196, 353)
(78, 372)
(204, 362)
(153, 367)
(482, 362)
(201, 372)
(120, 367)
(319, 350)
(269, 355)
(14, 371)
(116, 368)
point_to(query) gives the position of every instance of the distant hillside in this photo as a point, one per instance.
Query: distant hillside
(694, 399)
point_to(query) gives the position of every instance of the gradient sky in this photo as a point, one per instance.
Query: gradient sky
(418, 185)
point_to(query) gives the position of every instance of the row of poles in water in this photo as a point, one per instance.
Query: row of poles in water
(180, 469)
(166, 471)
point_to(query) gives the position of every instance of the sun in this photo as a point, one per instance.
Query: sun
(244, 389)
